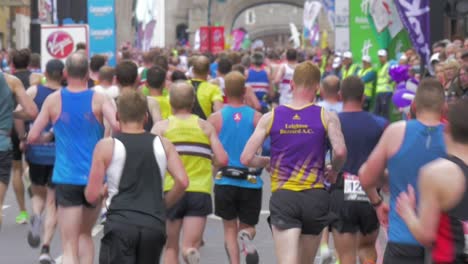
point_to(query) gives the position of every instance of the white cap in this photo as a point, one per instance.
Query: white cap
(348, 55)
(366, 58)
(435, 57)
(403, 57)
(336, 63)
(337, 54)
(382, 53)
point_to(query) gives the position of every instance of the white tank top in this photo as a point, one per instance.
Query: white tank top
(285, 85)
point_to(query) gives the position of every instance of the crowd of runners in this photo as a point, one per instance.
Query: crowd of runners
(145, 147)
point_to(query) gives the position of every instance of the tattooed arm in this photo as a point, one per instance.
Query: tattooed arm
(337, 141)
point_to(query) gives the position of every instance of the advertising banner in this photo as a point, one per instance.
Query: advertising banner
(363, 40)
(59, 42)
(311, 13)
(204, 39)
(415, 17)
(342, 25)
(217, 39)
(101, 21)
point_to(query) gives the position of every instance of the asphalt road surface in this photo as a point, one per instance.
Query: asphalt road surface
(14, 248)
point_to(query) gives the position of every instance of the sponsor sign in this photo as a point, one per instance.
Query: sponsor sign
(59, 42)
(102, 36)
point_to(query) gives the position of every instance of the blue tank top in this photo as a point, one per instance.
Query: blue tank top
(42, 154)
(259, 82)
(77, 131)
(238, 126)
(421, 145)
(7, 105)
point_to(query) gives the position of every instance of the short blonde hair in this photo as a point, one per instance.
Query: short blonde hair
(234, 84)
(132, 106)
(306, 75)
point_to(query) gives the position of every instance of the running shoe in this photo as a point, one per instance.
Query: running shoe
(193, 256)
(45, 258)
(326, 257)
(34, 233)
(247, 248)
(22, 218)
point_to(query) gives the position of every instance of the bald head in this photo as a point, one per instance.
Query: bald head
(182, 96)
(77, 65)
(331, 85)
(201, 66)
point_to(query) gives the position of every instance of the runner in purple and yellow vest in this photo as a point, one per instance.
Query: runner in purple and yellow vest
(299, 204)
(295, 164)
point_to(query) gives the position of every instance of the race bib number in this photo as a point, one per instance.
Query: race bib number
(352, 189)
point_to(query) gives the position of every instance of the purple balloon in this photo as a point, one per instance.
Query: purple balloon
(399, 73)
(401, 86)
(403, 98)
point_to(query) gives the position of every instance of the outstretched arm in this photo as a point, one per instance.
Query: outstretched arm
(249, 157)
(101, 159)
(337, 141)
(177, 171)
(28, 109)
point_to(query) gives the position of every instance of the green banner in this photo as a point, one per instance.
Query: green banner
(363, 41)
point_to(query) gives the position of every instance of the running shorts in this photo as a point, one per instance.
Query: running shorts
(68, 195)
(15, 141)
(6, 157)
(308, 210)
(191, 204)
(403, 254)
(41, 175)
(131, 244)
(233, 202)
(353, 216)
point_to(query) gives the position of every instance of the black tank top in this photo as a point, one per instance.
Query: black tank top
(460, 211)
(450, 245)
(196, 109)
(135, 180)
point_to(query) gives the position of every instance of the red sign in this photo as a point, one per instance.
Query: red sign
(204, 39)
(60, 44)
(212, 39)
(217, 39)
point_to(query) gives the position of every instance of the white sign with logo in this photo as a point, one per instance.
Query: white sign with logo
(342, 43)
(59, 42)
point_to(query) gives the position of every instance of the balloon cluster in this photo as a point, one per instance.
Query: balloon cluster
(406, 86)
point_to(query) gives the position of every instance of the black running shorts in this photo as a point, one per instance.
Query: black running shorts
(41, 175)
(353, 217)
(191, 204)
(403, 254)
(131, 244)
(6, 157)
(233, 202)
(68, 195)
(307, 210)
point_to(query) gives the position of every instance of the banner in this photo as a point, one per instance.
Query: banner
(363, 40)
(217, 39)
(415, 17)
(59, 42)
(342, 26)
(386, 24)
(311, 12)
(329, 6)
(204, 39)
(101, 21)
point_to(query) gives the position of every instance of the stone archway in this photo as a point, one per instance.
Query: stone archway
(226, 13)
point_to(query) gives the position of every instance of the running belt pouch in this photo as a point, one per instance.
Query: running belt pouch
(236, 173)
(196, 109)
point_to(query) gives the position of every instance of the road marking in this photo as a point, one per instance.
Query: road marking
(214, 217)
(96, 230)
(5, 206)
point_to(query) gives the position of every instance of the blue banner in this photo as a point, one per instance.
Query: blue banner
(329, 7)
(101, 22)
